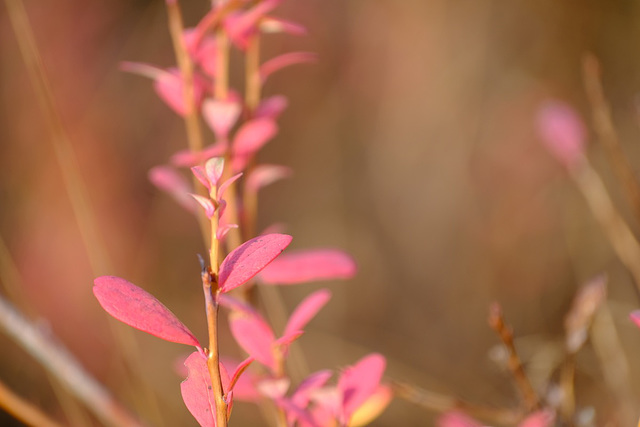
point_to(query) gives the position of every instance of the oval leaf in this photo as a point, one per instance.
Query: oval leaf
(358, 382)
(309, 265)
(249, 259)
(255, 337)
(137, 308)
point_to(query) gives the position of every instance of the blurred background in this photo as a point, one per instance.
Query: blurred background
(413, 146)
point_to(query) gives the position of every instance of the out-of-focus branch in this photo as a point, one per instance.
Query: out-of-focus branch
(620, 236)
(23, 410)
(498, 324)
(60, 363)
(606, 132)
(437, 402)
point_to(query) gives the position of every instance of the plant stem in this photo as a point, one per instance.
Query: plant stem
(620, 236)
(213, 356)
(437, 402)
(498, 324)
(606, 132)
(191, 118)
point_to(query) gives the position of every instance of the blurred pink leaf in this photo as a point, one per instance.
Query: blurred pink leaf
(271, 108)
(213, 169)
(248, 259)
(306, 311)
(309, 265)
(227, 183)
(358, 382)
(562, 132)
(253, 135)
(539, 419)
(221, 116)
(189, 158)
(302, 395)
(274, 388)
(457, 419)
(169, 180)
(240, 369)
(270, 24)
(635, 316)
(372, 407)
(141, 310)
(285, 60)
(240, 27)
(168, 85)
(263, 175)
(242, 385)
(255, 337)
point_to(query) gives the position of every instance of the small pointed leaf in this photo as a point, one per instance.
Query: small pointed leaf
(306, 310)
(248, 259)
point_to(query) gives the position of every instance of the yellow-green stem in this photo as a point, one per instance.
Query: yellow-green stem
(213, 355)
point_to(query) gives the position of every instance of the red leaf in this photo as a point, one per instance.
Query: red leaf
(307, 266)
(248, 259)
(141, 310)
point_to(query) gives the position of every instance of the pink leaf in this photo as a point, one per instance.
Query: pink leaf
(221, 116)
(240, 27)
(238, 373)
(302, 395)
(306, 310)
(188, 158)
(207, 204)
(226, 184)
(168, 84)
(214, 168)
(358, 382)
(253, 135)
(255, 337)
(248, 259)
(141, 310)
(263, 175)
(285, 60)
(274, 388)
(562, 132)
(169, 180)
(539, 419)
(308, 266)
(271, 108)
(242, 385)
(197, 392)
(457, 419)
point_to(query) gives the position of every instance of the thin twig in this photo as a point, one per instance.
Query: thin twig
(620, 236)
(437, 402)
(498, 324)
(57, 360)
(22, 410)
(606, 132)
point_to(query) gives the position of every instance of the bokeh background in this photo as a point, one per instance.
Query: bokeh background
(414, 148)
